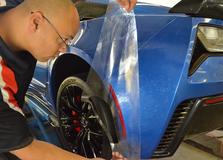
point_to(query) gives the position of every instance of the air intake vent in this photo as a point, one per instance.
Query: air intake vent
(172, 134)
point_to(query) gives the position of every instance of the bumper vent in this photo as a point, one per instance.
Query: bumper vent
(170, 140)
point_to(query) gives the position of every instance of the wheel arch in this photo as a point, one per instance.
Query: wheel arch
(65, 66)
(70, 64)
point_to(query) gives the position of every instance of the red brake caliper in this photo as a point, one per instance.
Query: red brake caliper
(75, 122)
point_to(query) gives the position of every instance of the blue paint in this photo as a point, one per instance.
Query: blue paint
(165, 48)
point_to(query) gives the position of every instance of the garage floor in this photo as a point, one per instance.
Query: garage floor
(203, 147)
(188, 152)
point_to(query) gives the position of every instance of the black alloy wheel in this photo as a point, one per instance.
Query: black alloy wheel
(81, 130)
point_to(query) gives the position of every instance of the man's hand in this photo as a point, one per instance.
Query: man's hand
(115, 156)
(127, 4)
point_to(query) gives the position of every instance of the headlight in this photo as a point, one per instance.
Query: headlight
(211, 38)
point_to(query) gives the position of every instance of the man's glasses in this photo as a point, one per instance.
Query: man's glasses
(66, 41)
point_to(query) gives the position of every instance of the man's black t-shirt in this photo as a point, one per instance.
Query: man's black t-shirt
(16, 71)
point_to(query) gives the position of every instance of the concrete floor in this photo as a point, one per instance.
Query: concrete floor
(188, 152)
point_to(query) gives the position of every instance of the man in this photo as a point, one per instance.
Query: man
(33, 30)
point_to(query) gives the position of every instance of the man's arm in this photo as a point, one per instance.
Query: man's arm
(39, 150)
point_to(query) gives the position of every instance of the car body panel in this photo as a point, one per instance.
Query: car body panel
(165, 48)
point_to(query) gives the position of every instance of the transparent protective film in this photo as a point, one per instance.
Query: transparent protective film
(116, 63)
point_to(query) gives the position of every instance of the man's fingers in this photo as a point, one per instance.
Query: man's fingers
(124, 3)
(118, 156)
(127, 4)
(132, 4)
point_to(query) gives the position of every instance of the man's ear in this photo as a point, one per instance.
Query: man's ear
(35, 21)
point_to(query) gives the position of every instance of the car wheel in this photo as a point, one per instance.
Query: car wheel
(80, 128)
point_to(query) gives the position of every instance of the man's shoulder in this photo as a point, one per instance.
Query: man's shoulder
(10, 2)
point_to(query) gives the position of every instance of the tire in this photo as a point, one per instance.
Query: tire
(80, 130)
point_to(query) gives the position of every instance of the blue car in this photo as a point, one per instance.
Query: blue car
(138, 83)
